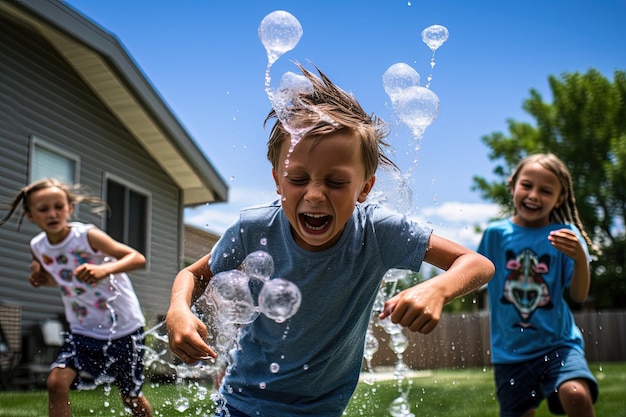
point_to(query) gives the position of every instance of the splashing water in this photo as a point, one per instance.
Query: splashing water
(398, 342)
(279, 32)
(417, 107)
(371, 347)
(285, 98)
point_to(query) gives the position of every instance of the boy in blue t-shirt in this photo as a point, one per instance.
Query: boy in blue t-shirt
(324, 237)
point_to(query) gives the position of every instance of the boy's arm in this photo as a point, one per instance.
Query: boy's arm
(419, 308)
(186, 332)
(566, 241)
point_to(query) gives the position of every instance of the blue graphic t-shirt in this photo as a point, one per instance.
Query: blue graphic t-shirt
(529, 315)
(317, 354)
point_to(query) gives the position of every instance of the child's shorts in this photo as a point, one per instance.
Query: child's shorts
(98, 362)
(522, 386)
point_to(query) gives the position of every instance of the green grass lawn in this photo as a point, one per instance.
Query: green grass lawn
(449, 393)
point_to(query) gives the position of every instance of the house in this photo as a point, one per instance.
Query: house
(198, 242)
(74, 105)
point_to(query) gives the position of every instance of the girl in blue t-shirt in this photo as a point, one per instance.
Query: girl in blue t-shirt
(537, 349)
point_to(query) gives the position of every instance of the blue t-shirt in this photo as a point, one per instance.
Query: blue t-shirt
(529, 315)
(320, 349)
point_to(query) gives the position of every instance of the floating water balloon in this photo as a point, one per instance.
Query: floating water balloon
(279, 299)
(279, 32)
(233, 297)
(259, 265)
(398, 78)
(418, 107)
(434, 36)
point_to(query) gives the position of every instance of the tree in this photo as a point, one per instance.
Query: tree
(585, 126)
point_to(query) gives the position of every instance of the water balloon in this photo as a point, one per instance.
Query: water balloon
(294, 83)
(259, 265)
(233, 297)
(434, 36)
(418, 107)
(279, 299)
(279, 32)
(397, 78)
(284, 98)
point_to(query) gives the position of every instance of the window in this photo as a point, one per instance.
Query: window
(48, 161)
(128, 219)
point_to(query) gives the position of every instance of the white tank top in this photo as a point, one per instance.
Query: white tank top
(106, 310)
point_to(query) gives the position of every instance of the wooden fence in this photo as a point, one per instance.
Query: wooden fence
(462, 341)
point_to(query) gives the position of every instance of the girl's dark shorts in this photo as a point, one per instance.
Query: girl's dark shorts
(522, 386)
(119, 361)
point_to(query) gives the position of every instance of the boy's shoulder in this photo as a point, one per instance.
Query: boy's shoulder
(261, 213)
(273, 205)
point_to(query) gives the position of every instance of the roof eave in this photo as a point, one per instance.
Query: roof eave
(103, 63)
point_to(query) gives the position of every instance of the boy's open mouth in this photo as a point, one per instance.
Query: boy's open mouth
(315, 222)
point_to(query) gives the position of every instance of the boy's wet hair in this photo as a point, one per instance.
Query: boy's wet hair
(567, 212)
(75, 194)
(324, 109)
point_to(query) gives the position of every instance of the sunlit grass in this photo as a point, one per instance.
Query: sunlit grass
(444, 392)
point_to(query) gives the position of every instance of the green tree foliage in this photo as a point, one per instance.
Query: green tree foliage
(585, 126)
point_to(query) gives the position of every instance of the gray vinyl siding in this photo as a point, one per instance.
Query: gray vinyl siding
(42, 96)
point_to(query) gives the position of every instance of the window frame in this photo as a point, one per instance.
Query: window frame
(39, 142)
(128, 185)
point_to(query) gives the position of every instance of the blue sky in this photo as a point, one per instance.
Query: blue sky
(206, 60)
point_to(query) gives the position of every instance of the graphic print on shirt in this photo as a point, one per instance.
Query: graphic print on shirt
(525, 286)
(81, 257)
(71, 288)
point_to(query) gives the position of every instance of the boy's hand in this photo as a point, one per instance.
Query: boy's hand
(418, 308)
(186, 335)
